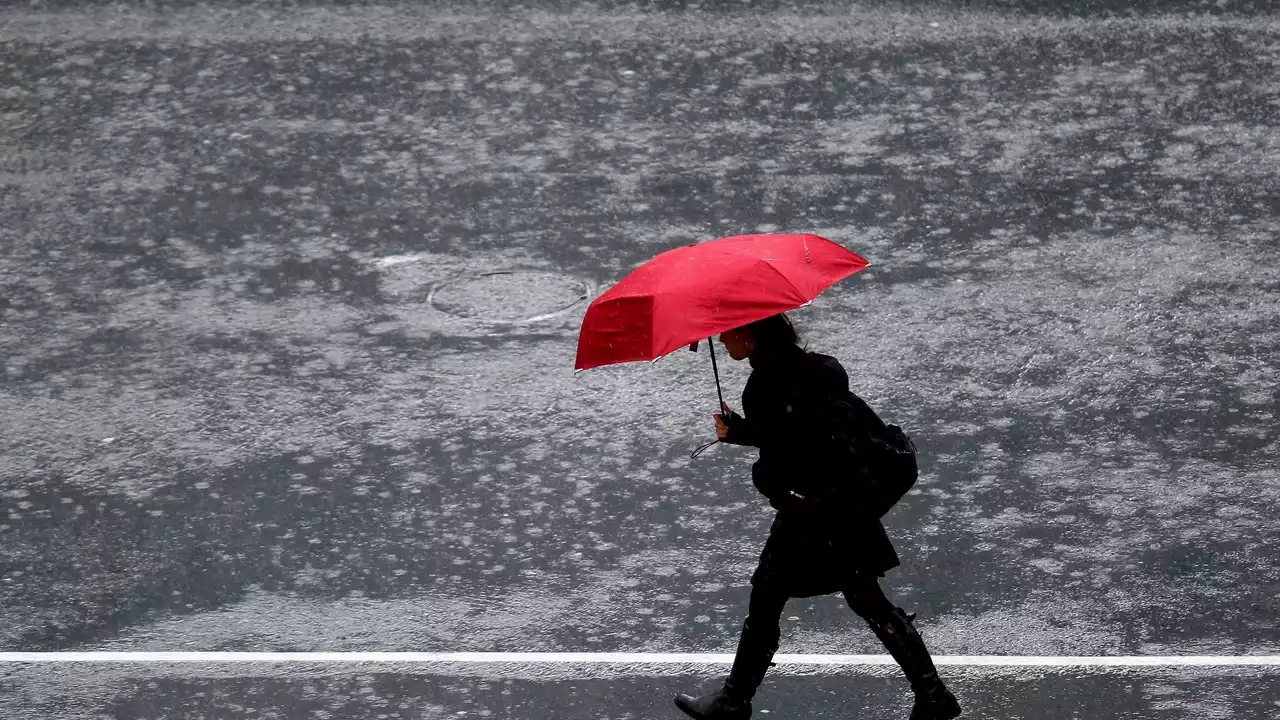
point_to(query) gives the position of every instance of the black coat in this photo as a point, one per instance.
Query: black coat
(819, 539)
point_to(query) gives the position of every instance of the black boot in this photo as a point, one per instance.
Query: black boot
(933, 700)
(733, 701)
(719, 705)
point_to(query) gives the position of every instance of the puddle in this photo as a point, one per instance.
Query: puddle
(510, 296)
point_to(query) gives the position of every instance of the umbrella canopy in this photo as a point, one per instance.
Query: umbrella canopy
(698, 291)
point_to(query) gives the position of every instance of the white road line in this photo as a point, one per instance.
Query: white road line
(527, 658)
(394, 260)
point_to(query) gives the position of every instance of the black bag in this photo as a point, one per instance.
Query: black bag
(881, 458)
(893, 469)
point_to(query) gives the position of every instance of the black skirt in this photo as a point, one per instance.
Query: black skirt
(807, 556)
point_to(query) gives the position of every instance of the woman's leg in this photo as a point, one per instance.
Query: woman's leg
(759, 640)
(893, 627)
(756, 646)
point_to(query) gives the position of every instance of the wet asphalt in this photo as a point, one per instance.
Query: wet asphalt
(289, 299)
(640, 693)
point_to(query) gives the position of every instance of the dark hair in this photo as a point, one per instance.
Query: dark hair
(774, 333)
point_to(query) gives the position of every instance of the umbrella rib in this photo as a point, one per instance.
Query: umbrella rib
(787, 280)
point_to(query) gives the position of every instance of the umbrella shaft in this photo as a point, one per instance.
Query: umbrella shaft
(711, 343)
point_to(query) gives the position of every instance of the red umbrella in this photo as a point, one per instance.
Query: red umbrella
(699, 291)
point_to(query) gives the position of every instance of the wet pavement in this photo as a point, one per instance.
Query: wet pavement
(638, 692)
(289, 302)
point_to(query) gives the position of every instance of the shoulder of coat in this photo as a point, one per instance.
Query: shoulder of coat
(831, 366)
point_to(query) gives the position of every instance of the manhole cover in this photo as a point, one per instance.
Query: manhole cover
(510, 296)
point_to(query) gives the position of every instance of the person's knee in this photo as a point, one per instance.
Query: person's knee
(766, 602)
(764, 631)
(859, 603)
(869, 602)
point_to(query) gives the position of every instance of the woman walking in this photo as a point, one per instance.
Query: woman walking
(817, 545)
